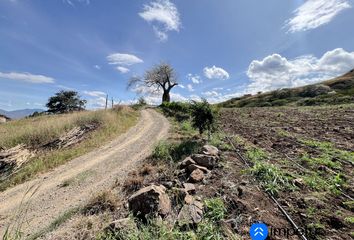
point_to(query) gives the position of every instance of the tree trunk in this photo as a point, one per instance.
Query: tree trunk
(166, 96)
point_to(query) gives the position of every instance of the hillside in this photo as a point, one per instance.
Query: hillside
(35, 145)
(21, 113)
(339, 90)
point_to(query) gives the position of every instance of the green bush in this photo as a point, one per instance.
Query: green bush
(279, 102)
(203, 116)
(282, 94)
(140, 104)
(179, 110)
(314, 90)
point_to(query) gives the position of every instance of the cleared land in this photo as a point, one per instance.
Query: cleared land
(69, 186)
(304, 156)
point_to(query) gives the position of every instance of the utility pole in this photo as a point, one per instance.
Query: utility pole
(112, 103)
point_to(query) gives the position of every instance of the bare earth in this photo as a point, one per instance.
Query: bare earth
(92, 172)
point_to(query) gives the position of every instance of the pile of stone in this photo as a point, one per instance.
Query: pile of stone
(154, 200)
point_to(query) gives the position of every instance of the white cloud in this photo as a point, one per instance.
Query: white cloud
(94, 93)
(178, 97)
(195, 98)
(218, 88)
(26, 77)
(123, 59)
(216, 73)
(97, 99)
(211, 94)
(71, 2)
(194, 78)
(97, 67)
(164, 16)
(190, 88)
(123, 69)
(314, 13)
(181, 86)
(275, 71)
(64, 87)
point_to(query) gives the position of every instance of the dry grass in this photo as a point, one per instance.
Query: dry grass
(146, 169)
(104, 201)
(133, 182)
(40, 130)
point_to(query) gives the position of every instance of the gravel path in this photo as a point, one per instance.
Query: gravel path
(85, 176)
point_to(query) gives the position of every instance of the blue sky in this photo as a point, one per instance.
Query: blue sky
(219, 48)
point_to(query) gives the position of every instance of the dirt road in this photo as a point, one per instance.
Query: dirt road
(82, 177)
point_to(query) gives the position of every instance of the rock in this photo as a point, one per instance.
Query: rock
(191, 214)
(205, 160)
(196, 176)
(179, 194)
(188, 199)
(125, 224)
(150, 200)
(210, 150)
(186, 162)
(299, 182)
(189, 187)
(193, 167)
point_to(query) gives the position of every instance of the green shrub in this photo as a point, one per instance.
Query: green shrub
(203, 116)
(314, 90)
(282, 94)
(140, 104)
(279, 102)
(179, 110)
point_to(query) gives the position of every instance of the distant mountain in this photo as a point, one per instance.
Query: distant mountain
(338, 90)
(21, 113)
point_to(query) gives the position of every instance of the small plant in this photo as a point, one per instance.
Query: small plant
(162, 151)
(186, 127)
(255, 154)
(142, 101)
(215, 209)
(349, 205)
(349, 220)
(272, 178)
(218, 140)
(140, 104)
(173, 152)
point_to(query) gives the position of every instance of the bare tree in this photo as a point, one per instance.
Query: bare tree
(160, 77)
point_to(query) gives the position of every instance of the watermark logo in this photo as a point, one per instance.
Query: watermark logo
(258, 231)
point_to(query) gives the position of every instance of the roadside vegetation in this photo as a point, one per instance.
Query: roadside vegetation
(37, 134)
(162, 166)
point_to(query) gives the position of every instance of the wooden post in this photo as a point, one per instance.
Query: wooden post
(106, 102)
(112, 103)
